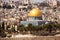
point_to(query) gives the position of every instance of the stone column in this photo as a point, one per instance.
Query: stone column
(43, 18)
(5, 25)
(15, 27)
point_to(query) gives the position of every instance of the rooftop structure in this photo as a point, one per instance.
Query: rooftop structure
(35, 13)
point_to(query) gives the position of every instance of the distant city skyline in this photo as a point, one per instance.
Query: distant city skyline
(32, 0)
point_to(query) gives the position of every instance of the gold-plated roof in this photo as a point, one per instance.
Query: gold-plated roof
(35, 13)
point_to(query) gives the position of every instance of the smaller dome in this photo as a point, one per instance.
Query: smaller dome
(35, 13)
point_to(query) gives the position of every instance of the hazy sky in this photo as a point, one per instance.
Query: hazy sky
(32, 0)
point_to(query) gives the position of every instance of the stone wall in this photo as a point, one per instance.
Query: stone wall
(34, 38)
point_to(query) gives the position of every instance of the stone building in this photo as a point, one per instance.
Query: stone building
(35, 17)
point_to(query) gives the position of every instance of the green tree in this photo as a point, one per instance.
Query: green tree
(21, 27)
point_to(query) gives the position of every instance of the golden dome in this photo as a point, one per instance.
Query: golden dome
(35, 13)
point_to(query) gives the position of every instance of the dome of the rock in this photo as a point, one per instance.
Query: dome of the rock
(35, 13)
